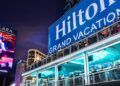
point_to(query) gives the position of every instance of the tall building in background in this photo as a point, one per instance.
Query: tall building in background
(70, 4)
(34, 56)
(21, 67)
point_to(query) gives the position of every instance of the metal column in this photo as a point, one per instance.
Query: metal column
(56, 75)
(37, 78)
(86, 69)
(23, 81)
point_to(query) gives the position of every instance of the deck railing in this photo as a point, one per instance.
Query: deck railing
(103, 76)
(94, 38)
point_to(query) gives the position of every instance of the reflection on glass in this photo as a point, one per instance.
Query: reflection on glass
(102, 60)
(70, 69)
(47, 77)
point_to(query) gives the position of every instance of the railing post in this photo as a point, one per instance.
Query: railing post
(56, 75)
(23, 82)
(73, 81)
(106, 76)
(70, 50)
(37, 82)
(97, 37)
(93, 76)
(86, 69)
(83, 80)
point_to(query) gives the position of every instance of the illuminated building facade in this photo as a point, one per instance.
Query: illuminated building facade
(34, 56)
(85, 49)
(21, 67)
(33, 59)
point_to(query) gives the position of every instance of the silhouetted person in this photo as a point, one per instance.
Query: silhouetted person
(102, 74)
(2, 47)
(7, 68)
(96, 75)
(8, 75)
(116, 71)
(0, 67)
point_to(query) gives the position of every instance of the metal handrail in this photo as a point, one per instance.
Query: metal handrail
(81, 78)
(93, 76)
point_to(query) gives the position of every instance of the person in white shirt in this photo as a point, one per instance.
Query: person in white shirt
(2, 45)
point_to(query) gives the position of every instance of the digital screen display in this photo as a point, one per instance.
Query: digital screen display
(7, 48)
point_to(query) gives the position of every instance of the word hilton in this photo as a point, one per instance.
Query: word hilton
(79, 20)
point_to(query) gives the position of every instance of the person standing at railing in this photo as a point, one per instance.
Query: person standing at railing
(45, 82)
(118, 24)
(103, 34)
(102, 74)
(116, 71)
(114, 28)
(118, 27)
(95, 75)
(71, 79)
(100, 36)
(110, 73)
(60, 82)
(41, 82)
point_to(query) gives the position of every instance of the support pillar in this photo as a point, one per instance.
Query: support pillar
(86, 69)
(56, 75)
(37, 78)
(23, 81)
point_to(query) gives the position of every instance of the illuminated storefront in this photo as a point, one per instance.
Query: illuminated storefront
(84, 50)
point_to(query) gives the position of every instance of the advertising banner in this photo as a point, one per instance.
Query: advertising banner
(84, 19)
(7, 48)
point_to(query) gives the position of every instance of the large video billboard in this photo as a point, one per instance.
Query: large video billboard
(86, 18)
(7, 48)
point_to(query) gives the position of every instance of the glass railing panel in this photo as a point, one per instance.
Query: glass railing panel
(107, 75)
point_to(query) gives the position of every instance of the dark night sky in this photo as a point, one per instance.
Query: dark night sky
(31, 19)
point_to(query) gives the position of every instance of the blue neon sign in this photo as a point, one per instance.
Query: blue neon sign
(86, 18)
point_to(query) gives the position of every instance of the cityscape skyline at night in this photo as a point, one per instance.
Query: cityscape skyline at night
(59, 43)
(31, 20)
